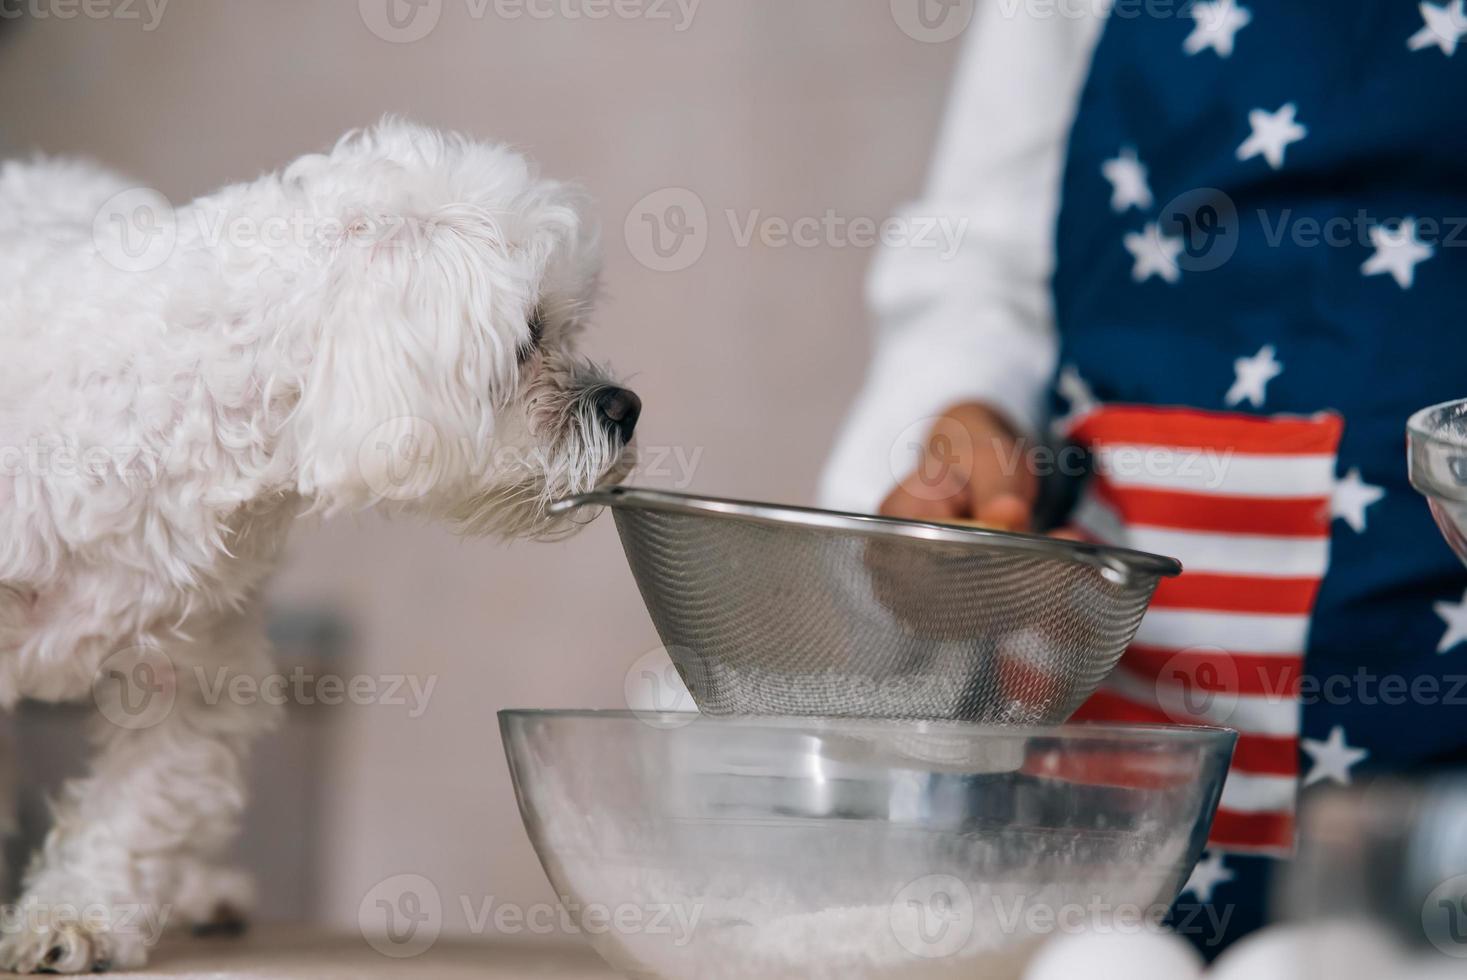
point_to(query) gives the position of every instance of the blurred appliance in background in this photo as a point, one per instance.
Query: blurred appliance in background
(1381, 882)
(47, 745)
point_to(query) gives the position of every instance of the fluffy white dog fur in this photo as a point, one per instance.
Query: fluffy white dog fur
(385, 325)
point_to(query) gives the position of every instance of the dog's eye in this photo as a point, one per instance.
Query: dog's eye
(537, 336)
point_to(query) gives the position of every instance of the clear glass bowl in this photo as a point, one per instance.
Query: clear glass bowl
(1438, 440)
(695, 848)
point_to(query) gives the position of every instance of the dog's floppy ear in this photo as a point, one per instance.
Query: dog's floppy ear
(406, 359)
(423, 298)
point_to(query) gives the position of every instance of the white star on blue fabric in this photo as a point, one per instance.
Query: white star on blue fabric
(1272, 134)
(1155, 253)
(1207, 876)
(1254, 373)
(1446, 25)
(1454, 614)
(1352, 497)
(1076, 391)
(1398, 252)
(1127, 176)
(1218, 24)
(1333, 758)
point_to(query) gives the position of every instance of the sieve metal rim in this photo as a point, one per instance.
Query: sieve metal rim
(1106, 558)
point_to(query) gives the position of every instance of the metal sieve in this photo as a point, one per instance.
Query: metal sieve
(774, 610)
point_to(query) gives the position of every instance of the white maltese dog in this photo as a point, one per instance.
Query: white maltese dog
(385, 325)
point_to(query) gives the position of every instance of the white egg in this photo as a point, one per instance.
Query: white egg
(1433, 967)
(1093, 956)
(1274, 954)
(1341, 951)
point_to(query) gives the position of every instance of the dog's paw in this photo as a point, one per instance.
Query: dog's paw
(68, 946)
(214, 900)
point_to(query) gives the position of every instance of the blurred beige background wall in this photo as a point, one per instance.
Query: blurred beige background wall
(746, 357)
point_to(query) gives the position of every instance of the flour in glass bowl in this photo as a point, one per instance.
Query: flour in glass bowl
(760, 937)
(769, 900)
(745, 928)
(859, 943)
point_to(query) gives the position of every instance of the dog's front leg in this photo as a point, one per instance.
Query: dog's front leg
(166, 788)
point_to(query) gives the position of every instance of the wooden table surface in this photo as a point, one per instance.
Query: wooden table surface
(286, 954)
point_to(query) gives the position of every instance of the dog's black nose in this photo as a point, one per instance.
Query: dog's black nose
(620, 409)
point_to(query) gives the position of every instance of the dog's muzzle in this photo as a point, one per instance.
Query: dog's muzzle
(618, 410)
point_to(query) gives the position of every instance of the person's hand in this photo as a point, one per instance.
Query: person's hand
(973, 468)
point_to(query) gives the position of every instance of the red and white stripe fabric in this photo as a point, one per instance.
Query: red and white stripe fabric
(1244, 503)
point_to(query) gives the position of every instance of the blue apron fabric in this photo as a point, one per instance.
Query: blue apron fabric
(1385, 140)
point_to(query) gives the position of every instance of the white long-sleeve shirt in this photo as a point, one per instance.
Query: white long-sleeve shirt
(977, 325)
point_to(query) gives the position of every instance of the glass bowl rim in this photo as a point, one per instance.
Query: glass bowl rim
(672, 722)
(1418, 427)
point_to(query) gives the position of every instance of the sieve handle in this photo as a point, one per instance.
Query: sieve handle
(603, 497)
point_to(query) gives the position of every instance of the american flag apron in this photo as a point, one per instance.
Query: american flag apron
(1256, 285)
(1244, 503)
